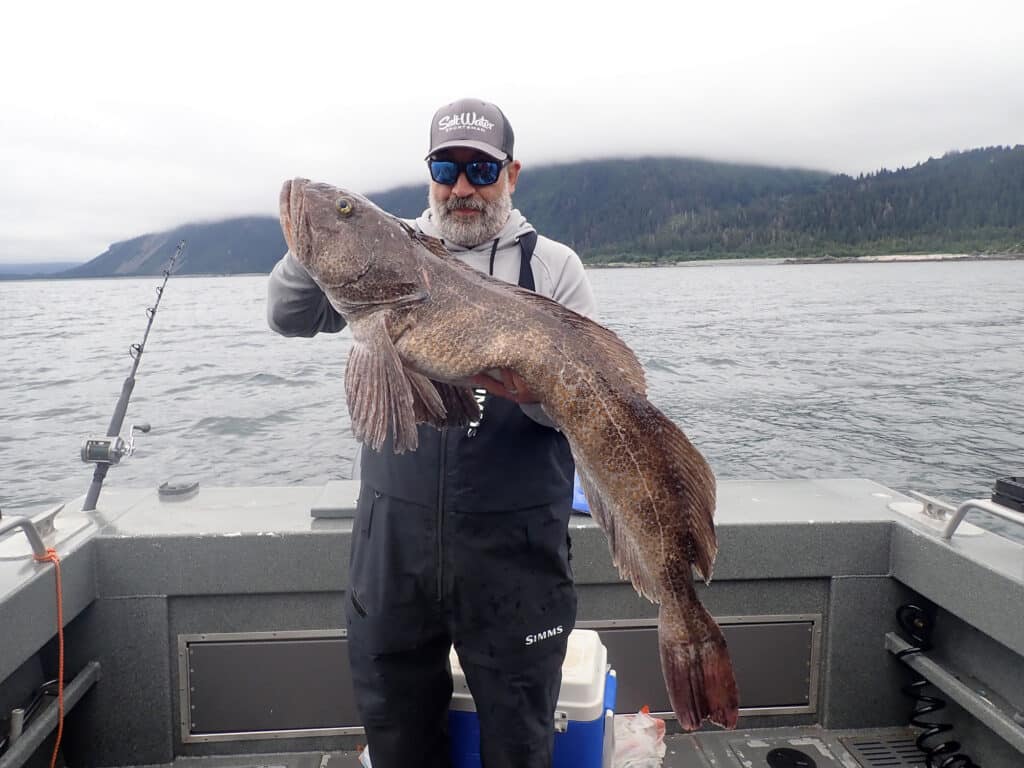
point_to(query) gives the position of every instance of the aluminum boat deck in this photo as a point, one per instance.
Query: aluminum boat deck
(182, 612)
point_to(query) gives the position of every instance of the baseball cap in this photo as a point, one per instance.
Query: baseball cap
(472, 123)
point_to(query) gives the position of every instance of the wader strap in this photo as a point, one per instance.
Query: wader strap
(526, 245)
(494, 250)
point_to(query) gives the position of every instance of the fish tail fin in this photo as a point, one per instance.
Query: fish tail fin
(696, 665)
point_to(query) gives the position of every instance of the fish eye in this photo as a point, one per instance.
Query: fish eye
(343, 206)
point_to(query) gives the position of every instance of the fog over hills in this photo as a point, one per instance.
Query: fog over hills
(671, 209)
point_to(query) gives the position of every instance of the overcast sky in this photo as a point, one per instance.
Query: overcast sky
(118, 119)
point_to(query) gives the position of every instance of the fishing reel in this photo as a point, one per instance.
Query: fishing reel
(110, 449)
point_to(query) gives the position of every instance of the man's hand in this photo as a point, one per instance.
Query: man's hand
(511, 386)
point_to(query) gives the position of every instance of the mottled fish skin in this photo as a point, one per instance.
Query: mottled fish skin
(424, 323)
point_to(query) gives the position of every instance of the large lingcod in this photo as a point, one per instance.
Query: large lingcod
(423, 323)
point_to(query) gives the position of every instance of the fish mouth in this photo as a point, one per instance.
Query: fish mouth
(291, 211)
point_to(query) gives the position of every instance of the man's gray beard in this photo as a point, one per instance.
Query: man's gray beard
(479, 228)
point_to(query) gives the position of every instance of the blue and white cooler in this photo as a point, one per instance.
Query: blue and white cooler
(583, 715)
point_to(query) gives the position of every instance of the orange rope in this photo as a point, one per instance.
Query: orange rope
(53, 557)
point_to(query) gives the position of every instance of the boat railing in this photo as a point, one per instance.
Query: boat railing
(951, 516)
(980, 505)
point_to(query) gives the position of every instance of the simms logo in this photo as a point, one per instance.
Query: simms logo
(464, 120)
(531, 639)
(480, 395)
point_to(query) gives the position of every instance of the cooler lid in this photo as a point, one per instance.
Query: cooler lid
(581, 696)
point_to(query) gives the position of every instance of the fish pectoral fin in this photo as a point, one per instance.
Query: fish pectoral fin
(428, 407)
(460, 403)
(378, 389)
(441, 405)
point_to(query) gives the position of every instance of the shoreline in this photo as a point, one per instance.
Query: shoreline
(906, 258)
(899, 258)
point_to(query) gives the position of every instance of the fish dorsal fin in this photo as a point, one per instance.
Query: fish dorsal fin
(432, 244)
(612, 348)
(693, 483)
(680, 505)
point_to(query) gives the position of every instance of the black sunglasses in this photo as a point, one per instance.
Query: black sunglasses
(479, 173)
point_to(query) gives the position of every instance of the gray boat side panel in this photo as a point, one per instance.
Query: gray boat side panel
(191, 615)
(809, 501)
(217, 541)
(129, 710)
(972, 654)
(612, 601)
(772, 660)
(781, 550)
(211, 564)
(601, 604)
(862, 679)
(256, 613)
(28, 614)
(987, 667)
(983, 746)
(795, 550)
(803, 528)
(981, 580)
(216, 511)
(785, 596)
(721, 598)
(779, 597)
(28, 599)
(268, 684)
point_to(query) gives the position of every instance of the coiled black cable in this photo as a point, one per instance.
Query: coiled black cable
(917, 624)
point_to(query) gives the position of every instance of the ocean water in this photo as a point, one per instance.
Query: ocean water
(907, 374)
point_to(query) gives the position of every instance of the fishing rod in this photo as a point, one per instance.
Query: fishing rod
(109, 449)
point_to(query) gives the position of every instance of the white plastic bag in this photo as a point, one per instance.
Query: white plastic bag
(364, 757)
(639, 741)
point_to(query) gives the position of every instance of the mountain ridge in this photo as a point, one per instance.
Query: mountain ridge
(666, 209)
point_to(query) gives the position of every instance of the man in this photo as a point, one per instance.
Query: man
(463, 541)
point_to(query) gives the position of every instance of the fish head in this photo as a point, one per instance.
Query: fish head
(360, 255)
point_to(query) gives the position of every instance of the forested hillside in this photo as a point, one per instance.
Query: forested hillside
(669, 209)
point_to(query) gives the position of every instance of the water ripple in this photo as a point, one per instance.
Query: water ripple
(876, 371)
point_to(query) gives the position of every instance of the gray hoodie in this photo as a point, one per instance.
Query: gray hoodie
(297, 307)
(557, 270)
